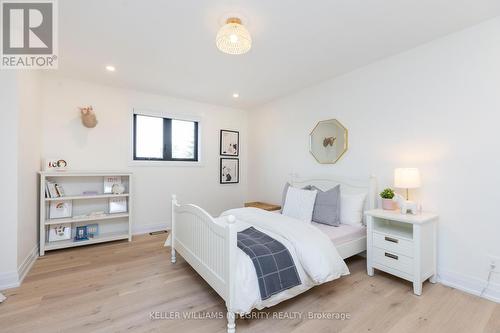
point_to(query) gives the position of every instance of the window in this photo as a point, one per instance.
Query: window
(165, 139)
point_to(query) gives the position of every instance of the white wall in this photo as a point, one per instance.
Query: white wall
(437, 108)
(108, 146)
(8, 178)
(29, 155)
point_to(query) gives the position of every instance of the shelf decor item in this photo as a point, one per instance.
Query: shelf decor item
(81, 233)
(229, 170)
(118, 189)
(54, 164)
(387, 202)
(93, 230)
(117, 205)
(59, 232)
(60, 209)
(110, 181)
(229, 143)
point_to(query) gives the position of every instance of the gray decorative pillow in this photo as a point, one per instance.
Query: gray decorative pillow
(327, 206)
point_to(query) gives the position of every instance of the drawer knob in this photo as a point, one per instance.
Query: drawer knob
(392, 256)
(392, 240)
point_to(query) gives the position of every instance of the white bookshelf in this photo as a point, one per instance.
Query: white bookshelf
(112, 227)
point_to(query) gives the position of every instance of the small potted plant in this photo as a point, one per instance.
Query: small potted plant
(387, 202)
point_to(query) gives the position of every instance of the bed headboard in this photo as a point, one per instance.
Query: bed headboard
(347, 185)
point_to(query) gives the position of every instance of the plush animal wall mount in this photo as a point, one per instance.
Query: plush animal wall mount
(89, 119)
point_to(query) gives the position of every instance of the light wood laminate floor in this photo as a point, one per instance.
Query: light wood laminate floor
(114, 287)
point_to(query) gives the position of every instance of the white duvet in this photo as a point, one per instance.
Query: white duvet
(314, 254)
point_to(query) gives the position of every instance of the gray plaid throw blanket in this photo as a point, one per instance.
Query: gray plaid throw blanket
(273, 263)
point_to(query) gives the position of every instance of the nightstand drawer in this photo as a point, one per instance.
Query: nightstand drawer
(393, 260)
(393, 244)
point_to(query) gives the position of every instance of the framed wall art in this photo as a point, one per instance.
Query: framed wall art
(229, 143)
(229, 170)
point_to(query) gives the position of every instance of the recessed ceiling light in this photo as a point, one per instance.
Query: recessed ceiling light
(236, 95)
(110, 68)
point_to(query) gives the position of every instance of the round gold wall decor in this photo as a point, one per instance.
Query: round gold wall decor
(328, 141)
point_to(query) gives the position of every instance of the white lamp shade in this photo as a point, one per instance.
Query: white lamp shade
(407, 178)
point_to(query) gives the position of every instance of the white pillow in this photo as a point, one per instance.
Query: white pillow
(351, 208)
(299, 204)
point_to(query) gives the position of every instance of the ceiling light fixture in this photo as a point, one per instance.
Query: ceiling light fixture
(110, 68)
(236, 95)
(233, 37)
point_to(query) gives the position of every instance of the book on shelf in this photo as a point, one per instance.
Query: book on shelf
(60, 209)
(117, 205)
(60, 190)
(51, 190)
(109, 181)
(59, 232)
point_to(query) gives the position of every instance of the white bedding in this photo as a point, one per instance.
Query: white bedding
(316, 258)
(343, 233)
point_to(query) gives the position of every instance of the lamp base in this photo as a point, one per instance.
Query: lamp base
(408, 206)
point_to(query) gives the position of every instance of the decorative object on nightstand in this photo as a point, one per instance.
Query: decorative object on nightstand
(402, 245)
(405, 206)
(263, 205)
(387, 203)
(407, 178)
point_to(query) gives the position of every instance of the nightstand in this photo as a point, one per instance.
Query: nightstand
(263, 205)
(403, 245)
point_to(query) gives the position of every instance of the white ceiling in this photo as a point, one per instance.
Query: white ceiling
(168, 47)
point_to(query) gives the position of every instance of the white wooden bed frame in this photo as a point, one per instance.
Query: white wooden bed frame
(211, 248)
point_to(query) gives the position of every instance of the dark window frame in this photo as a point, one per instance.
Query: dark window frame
(167, 141)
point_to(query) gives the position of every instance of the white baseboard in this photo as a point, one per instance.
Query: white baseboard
(144, 229)
(9, 280)
(470, 285)
(27, 263)
(13, 279)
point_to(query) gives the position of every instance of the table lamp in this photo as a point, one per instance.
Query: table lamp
(407, 178)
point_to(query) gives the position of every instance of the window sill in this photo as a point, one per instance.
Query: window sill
(147, 163)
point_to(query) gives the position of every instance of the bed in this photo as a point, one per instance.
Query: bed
(209, 245)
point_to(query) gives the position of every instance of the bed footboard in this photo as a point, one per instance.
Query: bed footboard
(209, 247)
